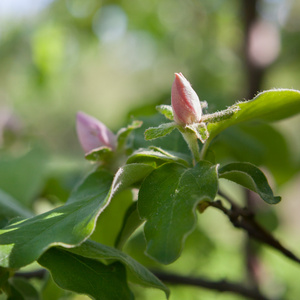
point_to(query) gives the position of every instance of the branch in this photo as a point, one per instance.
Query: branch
(40, 274)
(220, 286)
(244, 219)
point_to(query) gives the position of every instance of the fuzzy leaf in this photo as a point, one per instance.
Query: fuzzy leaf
(86, 276)
(251, 178)
(99, 154)
(123, 133)
(24, 241)
(272, 105)
(166, 110)
(156, 155)
(200, 130)
(167, 201)
(160, 131)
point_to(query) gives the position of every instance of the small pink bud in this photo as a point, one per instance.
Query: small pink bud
(185, 102)
(93, 134)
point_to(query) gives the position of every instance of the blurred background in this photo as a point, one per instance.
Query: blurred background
(115, 59)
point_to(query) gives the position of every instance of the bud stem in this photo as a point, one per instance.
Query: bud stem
(192, 141)
(204, 149)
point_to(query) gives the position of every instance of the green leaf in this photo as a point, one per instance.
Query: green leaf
(11, 208)
(86, 276)
(220, 115)
(157, 156)
(24, 287)
(99, 154)
(123, 133)
(23, 242)
(260, 144)
(160, 131)
(172, 141)
(110, 223)
(69, 225)
(200, 130)
(137, 273)
(272, 105)
(16, 179)
(131, 222)
(166, 110)
(251, 178)
(167, 201)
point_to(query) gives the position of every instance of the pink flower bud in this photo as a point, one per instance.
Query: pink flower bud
(185, 102)
(93, 134)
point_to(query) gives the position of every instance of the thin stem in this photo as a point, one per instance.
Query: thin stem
(204, 149)
(244, 219)
(220, 286)
(192, 142)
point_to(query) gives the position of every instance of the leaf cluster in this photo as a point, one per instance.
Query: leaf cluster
(69, 240)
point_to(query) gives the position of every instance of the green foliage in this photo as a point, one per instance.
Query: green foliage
(251, 178)
(270, 105)
(15, 172)
(96, 279)
(158, 156)
(105, 57)
(160, 131)
(170, 210)
(135, 271)
(166, 110)
(22, 242)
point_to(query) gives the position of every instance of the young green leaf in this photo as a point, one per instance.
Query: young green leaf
(166, 110)
(123, 133)
(99, 154)
(137, 273)
(86, 276)
(157, 156)
(24, 241)
(160, 131)
(272, 105)
(200, 130)
(251, 178)
(167, 201)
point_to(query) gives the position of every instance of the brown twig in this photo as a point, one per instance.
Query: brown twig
(220, 286)
(242, 218)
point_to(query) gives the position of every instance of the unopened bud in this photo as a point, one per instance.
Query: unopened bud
(185, 102)
(93, 134)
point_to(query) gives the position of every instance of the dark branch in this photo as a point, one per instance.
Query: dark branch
(220, 286)
(40, 274)
(244, 219)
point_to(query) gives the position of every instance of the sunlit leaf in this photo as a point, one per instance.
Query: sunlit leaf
(23, 242)
(160, 131)
(166, 110)
(272, 105)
